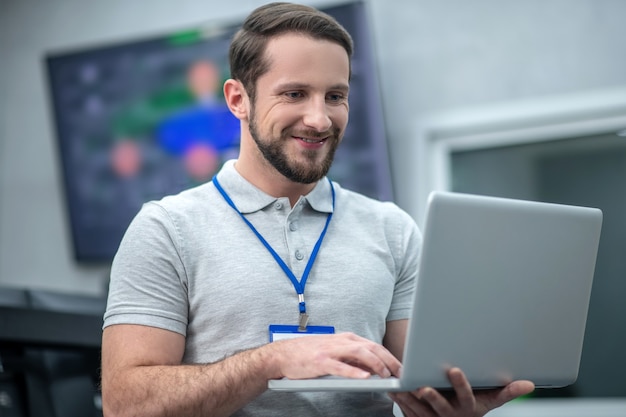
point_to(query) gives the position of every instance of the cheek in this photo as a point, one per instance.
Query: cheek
(280, 117)
(340, 116)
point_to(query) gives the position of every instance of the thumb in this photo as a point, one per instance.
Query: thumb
(495, 399)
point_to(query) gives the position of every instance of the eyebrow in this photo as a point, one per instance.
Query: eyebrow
(300, 86)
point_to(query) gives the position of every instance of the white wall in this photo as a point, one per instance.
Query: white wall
(433, 56)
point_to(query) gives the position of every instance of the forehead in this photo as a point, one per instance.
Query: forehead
(297, 57)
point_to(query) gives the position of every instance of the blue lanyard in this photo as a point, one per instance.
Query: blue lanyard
(298, 285)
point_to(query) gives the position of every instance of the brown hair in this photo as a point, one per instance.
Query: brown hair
(247, 50)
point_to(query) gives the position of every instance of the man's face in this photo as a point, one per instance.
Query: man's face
(301, 107)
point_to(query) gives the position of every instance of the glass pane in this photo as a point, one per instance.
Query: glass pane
(586, 171)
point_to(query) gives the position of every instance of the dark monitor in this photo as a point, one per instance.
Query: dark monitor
(141, 119)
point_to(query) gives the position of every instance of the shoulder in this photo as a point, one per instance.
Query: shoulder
(365, 208)
(376, 220)
(196, 198)
(182, 207)
(177, 217)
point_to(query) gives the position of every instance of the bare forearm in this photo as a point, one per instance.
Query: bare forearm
(217, 389)
(142, 375)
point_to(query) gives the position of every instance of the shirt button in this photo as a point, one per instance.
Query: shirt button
(278, 205)
(293, 226)
(299, 255)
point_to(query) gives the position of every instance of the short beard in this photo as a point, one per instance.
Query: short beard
(305, 173)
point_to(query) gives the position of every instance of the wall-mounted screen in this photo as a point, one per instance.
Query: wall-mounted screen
(141, 119)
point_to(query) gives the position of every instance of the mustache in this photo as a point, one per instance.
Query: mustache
(312, 134)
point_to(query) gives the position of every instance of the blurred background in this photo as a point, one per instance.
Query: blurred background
(522, 99)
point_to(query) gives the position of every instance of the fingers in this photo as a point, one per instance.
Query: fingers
(339, 368)
(372, 357)
(411, 406)
(438, 403)
(427, 401)
(472, 402)
(344, 354)
(488, 400)
(367, 355)
(462, 388)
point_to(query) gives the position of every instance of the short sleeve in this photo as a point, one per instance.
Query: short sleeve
(408, 240)
(148, 284)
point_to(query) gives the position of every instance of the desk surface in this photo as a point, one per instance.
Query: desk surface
(563, 407)
(28, 326)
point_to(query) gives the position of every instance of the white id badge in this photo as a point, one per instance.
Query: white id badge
(283, 332)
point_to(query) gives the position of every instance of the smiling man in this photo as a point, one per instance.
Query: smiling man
(297, 115)
(212, 289)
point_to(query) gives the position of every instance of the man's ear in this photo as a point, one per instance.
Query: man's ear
(237, 99)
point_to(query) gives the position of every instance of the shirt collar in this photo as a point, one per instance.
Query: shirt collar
(249, 198)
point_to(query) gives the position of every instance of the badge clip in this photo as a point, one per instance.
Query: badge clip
(304, 320)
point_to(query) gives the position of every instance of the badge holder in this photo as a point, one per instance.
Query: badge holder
(283, 332)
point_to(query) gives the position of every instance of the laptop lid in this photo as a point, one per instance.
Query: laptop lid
(502, 292)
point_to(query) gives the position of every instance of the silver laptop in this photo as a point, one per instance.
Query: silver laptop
(502, 292)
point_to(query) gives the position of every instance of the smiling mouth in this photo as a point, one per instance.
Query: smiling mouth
(309, 140)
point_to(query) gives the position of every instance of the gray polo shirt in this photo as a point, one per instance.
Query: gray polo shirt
(190, 264)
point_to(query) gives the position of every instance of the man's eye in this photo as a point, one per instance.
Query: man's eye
(336, 98)
(293, 94)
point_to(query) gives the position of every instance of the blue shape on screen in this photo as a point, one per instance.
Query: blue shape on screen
(213, 125)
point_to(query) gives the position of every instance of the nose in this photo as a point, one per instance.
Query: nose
(317, 115)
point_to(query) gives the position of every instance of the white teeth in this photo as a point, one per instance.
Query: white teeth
(311, 140)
